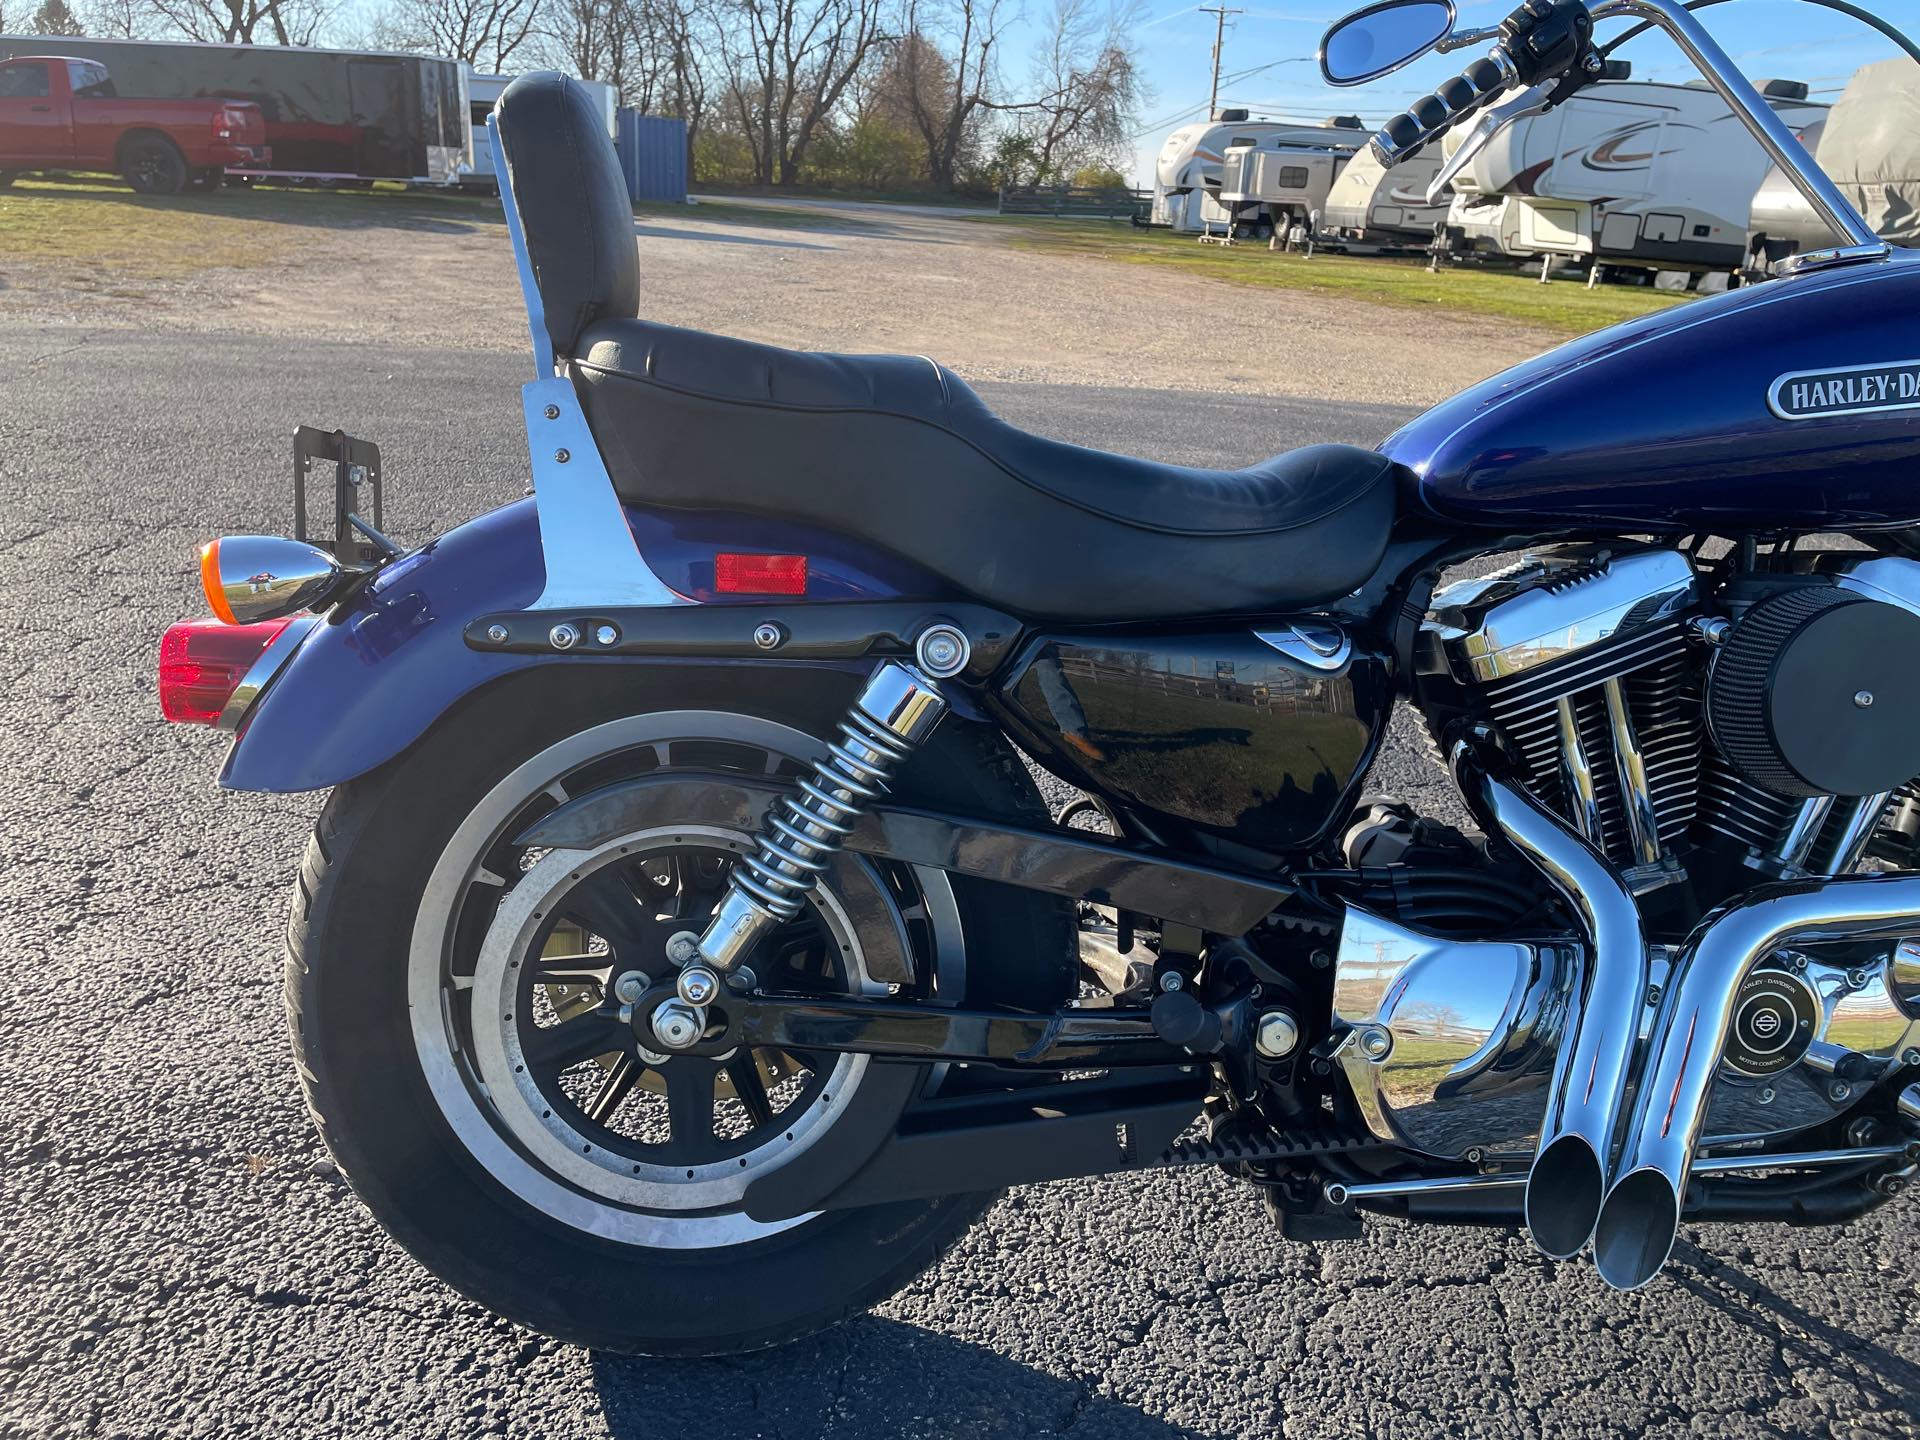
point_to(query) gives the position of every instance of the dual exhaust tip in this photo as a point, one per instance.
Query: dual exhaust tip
(1600, 1175)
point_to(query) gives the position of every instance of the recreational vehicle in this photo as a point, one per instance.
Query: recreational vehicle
(1191, 168)
(1632, 173)
(1273, 184)
(482, 91)
(1374, 206)
(331, 115)
(1870, 146)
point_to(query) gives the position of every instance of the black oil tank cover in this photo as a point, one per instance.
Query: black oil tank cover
(1214, 728)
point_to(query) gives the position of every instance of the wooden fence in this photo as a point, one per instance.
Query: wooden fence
(1105, 203)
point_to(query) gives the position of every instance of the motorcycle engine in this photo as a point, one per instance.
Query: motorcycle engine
(1704, 736)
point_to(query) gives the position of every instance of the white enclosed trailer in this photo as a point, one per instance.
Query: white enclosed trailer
(1631, 173)
(1374, 205)
(1275, 185)
(1191, 166)
(1869, 146)
(483, 90)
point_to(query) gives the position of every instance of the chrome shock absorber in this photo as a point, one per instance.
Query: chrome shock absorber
(893, 715)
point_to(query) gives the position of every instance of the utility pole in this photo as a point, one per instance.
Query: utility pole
(1220, 14)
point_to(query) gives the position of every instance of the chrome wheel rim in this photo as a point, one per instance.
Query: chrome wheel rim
(468, 1047)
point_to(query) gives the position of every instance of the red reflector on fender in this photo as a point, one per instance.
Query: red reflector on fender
(736, 574)
(202, 663)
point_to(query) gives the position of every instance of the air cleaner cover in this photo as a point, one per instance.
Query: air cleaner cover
(1815, 693)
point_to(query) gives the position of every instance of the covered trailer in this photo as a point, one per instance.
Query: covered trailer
(1632, 173)
(332, 115)
(1869, 146)
(482, 91)
(1373, 206)
(1191, 166)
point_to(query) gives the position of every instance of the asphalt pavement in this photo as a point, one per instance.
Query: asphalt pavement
(178, 1259)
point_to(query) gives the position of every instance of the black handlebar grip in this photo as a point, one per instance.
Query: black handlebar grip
(1404, 136)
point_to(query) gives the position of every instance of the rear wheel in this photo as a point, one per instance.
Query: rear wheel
(454, 998)
(153, 165)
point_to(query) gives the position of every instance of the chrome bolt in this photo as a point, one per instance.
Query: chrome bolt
(769, 636)
(698, 985)
(552, 412)
(683, 948)
(1593, 64)
(562, 456)
(1840, 1092)
(1863, 698)
(678, 1026)
(942, 651)
(652, 1057)
(742, 979)
(1857, 979)
(564, 636)
(497, 634)
(1277, 1035)
(1474, 1156)
(605, 635)
(1375, 1043)
(1910, 1057)
(1653, 994)
(1171, 982)
(1768, 1095)
(630, 987)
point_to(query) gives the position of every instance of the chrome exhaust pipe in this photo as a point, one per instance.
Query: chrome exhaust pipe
(1588, 1092)
(1641, 1213)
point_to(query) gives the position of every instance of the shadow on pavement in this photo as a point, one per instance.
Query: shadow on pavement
(869, 1377)
(664, 232)
(1807, 1343)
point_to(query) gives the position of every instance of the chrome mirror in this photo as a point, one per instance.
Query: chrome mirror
(1381, 38)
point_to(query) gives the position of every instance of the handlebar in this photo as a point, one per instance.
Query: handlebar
(1540, 41)
(1406, 134)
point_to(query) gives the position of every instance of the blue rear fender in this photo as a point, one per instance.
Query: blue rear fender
(358, 693)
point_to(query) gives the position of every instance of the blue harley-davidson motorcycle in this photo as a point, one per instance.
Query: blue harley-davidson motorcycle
(685, 956)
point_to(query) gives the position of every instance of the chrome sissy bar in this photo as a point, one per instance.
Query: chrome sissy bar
(591, 559)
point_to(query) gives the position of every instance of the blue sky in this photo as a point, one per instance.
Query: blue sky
(1788, 39)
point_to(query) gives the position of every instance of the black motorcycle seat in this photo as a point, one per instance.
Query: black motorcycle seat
(901, 454)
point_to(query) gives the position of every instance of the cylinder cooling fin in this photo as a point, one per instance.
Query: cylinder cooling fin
(1814, 693)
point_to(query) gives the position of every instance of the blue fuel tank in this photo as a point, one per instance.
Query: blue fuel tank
(1792, 405)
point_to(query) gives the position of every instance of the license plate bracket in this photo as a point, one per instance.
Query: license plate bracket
(358, 517)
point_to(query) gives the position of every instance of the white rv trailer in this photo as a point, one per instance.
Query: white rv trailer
(482, 91)
(1275, 185)
(1190, 169)
(1631, 172)
(1869, 146)
(1372, 205)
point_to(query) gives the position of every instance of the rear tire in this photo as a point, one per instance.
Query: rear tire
(360, 891)
(153, 165)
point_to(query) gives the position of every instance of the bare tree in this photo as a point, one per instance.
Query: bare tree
(1086, 85)
(788, 65)
(56, 17)
(948, 73)
(278, 22)
(117, 19)
(484, 33)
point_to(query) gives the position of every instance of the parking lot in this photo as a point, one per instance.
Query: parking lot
(179, 1259)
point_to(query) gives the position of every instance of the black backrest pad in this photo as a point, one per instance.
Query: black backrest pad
(573, 204)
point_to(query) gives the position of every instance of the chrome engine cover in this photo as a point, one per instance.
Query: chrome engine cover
(1449, 1043)
(1578, 655)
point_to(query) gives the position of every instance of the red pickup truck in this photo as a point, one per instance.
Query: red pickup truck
(58, 113)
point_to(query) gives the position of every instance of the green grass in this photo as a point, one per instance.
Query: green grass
(94, 229)
(1564, 306)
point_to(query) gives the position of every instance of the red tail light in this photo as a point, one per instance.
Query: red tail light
(736, 574)
(202, 663)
